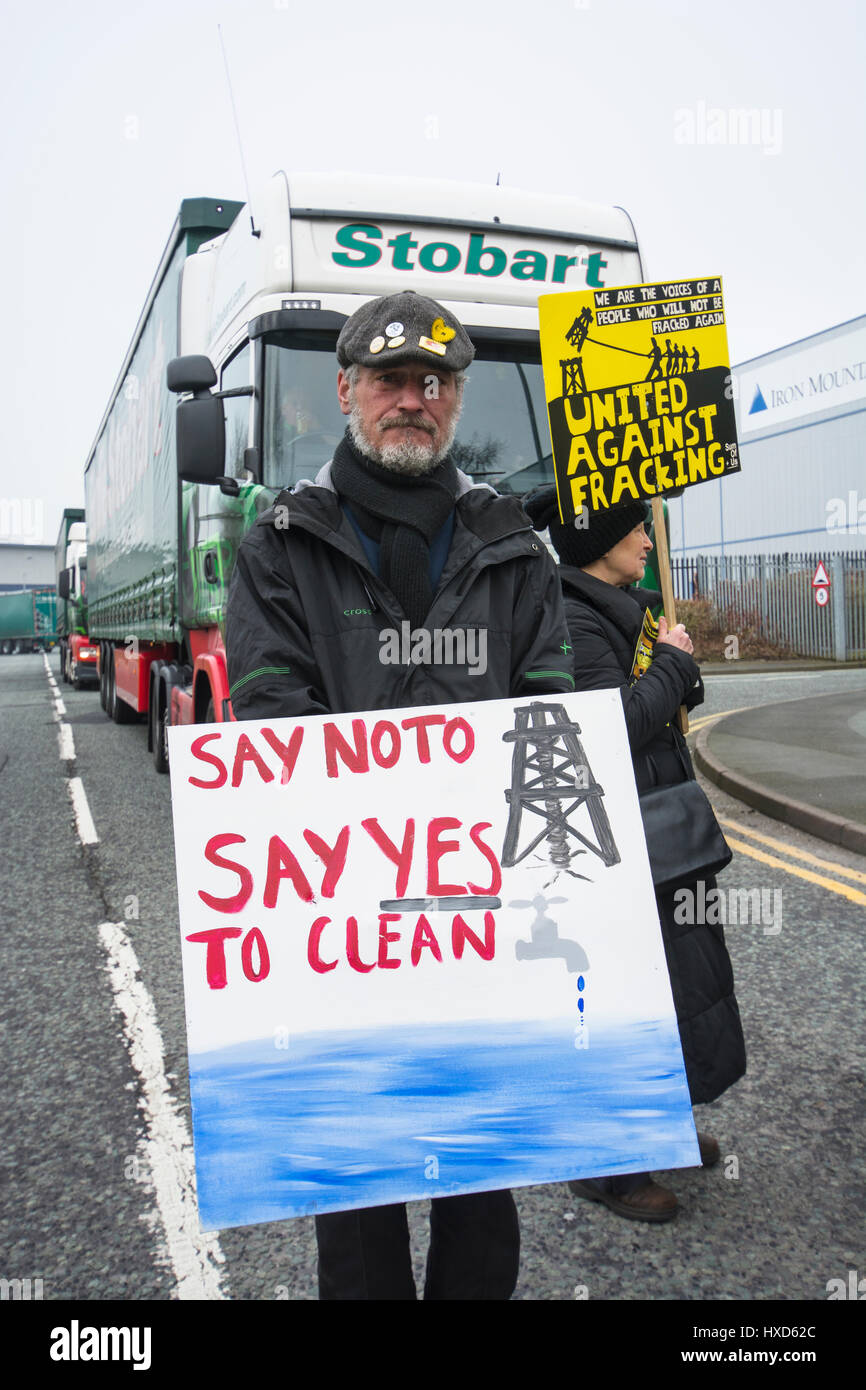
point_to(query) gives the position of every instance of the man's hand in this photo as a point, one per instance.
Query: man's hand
(677, 637)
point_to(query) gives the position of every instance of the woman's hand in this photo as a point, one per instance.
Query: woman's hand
(677, 637)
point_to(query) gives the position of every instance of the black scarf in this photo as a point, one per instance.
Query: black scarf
(403, 514)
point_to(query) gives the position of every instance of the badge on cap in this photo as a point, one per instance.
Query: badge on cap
(396, 342)
(428, 343)
(377, 344)
(393, 330)
(441, 332)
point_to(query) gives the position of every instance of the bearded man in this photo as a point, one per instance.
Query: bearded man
(391, 538)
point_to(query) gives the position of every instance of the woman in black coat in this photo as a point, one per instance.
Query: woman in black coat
(615, 644)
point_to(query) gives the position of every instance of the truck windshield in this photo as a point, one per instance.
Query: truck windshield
(502, 438)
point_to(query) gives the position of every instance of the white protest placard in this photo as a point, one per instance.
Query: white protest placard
(421, 957)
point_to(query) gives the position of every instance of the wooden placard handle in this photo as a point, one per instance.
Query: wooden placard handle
(660, 538)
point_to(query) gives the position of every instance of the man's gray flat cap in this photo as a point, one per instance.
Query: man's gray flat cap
(404, 327)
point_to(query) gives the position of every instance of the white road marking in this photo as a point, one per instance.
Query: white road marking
(166, 1151)
(83, 819)
(59, 707)
(64, 733)
(67, 746)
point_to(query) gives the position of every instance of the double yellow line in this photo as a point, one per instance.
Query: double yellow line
(844, 890)
(801, 856)
(695, 724)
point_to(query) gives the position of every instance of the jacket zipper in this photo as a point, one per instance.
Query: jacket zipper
(363, 568)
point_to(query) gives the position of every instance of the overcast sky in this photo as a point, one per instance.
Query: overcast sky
(112, 112)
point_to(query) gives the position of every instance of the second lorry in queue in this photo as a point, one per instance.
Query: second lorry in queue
(77, 652)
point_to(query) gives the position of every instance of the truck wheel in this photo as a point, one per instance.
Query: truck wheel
(161, 717)
(109, 684)
(103, 676)
(153, 704)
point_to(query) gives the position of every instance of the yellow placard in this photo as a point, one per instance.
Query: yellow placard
(638, 386)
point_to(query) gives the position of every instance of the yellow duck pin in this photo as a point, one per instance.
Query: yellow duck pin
(440, 332)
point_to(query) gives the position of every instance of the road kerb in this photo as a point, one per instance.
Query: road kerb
(848, 834)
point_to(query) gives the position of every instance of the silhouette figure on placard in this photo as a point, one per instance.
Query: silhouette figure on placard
(655, 353)
(695, 360)
(546, 943)
(667, 357)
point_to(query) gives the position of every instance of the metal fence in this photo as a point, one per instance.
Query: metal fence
(774, 597)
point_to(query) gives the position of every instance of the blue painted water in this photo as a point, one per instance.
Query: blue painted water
(362, 1118)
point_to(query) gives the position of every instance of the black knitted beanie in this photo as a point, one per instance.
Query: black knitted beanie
(590, 535)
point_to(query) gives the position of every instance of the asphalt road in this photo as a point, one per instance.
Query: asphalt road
(729, 688)
(779, 1218)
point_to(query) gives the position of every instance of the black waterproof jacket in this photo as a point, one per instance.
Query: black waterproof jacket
(306, 612)
(604, 623)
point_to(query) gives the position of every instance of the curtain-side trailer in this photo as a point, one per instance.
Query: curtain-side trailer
(28, 620)
(255, 312)
(142, 610)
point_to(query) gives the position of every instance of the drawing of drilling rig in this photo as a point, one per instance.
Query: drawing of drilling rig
(551, 778)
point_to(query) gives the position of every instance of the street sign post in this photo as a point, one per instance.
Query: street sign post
(821, 585)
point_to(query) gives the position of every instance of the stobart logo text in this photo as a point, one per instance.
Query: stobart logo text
(480, 257)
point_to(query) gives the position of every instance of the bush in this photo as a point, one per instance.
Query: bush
(711, 634)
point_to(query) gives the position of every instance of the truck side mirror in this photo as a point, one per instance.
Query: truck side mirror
(201, 426)
(63, 584)
(193, 373)
(201, 440)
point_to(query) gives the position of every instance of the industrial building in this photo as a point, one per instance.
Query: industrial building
(26, 566)
(801, 425)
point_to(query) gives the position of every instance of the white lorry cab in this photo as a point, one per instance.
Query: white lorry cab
(266, 301)
(241, 323)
